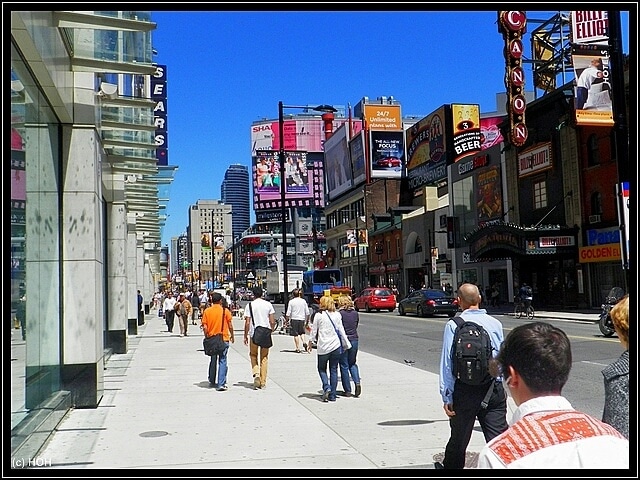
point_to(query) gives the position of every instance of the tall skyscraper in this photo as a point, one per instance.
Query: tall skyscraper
(234, 191)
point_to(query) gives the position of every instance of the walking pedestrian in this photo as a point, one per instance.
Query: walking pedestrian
(348, 367)
(616, 375)
(204, 301)
(463, 402)
(168, 310)
(184, 312)
(546, 431)
(258, 313)
(195, 304)
(140, 309)
(217, 319)
(329, 333)
(298, 317)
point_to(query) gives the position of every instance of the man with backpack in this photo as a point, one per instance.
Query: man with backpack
(467, 388)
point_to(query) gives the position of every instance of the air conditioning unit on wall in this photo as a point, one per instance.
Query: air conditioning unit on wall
(594, 218)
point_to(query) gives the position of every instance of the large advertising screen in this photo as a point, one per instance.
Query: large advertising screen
(303, 183)
(490, 133)
(466, 134)
(426, 150)
(387, 154)
(299, 135)
(338, 174)
(488, 194)
(358, 159)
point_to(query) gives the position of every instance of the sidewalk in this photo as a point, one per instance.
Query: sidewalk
(158, 412)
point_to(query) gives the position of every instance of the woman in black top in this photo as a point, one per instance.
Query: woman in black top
(348, 366)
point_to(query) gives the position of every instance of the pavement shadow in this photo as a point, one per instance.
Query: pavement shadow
(204, 385)
(248, 385)
(312, 396)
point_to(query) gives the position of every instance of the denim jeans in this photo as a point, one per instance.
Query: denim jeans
(329, 383)
(222, 373)
(348, 367)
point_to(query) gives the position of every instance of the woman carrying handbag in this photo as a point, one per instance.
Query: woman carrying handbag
(331, 341)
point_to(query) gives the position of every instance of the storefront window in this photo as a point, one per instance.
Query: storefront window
(35, 258)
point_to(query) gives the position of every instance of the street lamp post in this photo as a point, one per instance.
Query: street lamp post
(233, 267)
(283, 207)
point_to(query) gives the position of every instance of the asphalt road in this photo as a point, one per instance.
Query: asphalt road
(419, 340)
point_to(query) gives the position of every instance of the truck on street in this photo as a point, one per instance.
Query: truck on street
(275, 283)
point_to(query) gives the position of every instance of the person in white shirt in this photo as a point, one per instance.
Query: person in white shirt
(262, 313)
(168, 310)
(331, 339)
(204, 301)
(587, 77)
(297, 315)
(546, 431)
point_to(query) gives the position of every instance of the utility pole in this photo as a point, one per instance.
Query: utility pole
(619, 109)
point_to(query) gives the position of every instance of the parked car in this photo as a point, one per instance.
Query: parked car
(375, 299)
(428, 301)
(388, 162)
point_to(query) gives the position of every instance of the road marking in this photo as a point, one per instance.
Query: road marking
(596, 363)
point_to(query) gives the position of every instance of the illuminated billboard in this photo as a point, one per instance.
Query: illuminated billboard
(299, 135)
(426, 151)
(303, 182)
(337, 163)
(387, 154)
(358, 159)
(466, 134)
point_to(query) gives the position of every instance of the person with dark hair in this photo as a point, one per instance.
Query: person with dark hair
(195, 303)
(298, 315)
(258, 313)
(546, 431)
(183, 310)
(168, 309)
(463, 402)
(526, 295)
(616, 375)
(348, 367)
(140, 309)
(217, 319)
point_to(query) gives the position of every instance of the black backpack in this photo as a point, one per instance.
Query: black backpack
(471, 352)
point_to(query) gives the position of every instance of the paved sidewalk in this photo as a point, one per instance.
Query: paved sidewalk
(158, 412)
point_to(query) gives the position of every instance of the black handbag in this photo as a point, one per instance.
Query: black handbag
(261, 335)
(215, 344)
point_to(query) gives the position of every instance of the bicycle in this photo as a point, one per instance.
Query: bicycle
(522, 309)
(283, 325)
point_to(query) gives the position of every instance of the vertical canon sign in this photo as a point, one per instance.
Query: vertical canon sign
(512, 26)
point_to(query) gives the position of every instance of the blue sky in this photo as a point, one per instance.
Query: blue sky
(228, 69)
